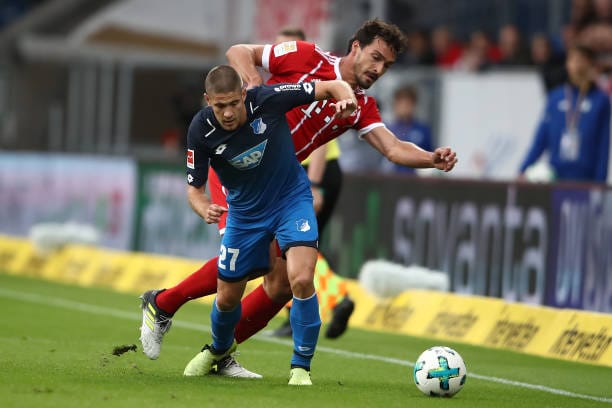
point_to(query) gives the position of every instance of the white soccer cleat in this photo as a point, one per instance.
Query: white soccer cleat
(229, 367)
(155, 323)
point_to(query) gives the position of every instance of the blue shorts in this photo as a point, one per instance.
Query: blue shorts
(245, 247)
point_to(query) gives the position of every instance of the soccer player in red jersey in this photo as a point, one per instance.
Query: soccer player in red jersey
(372, 50)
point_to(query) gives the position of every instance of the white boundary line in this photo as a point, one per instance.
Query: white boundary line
(105, 311)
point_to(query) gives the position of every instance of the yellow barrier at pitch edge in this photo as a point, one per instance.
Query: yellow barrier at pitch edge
(562, 334)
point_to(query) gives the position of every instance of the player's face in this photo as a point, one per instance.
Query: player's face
(578, 66)
(228, 108)
(372, 61)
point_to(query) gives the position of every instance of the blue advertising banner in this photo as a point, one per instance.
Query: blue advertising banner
(580, 274)
(490, 238)
(545, 244)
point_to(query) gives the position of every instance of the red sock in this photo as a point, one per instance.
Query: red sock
(201, 283)
(257, 310)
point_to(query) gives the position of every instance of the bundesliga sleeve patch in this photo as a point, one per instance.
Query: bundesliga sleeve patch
(285, 48)
(190, 159)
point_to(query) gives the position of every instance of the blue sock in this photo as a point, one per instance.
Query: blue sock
(305, 323)
(223, 327)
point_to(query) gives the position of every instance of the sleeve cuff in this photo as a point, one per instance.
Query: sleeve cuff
(265, 58)
(361, 132)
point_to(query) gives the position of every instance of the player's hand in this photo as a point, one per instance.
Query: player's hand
(444, 159)
(317, 199)
(214, 213)
(344, 107)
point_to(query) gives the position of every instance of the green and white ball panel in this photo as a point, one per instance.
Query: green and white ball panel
(440, 371)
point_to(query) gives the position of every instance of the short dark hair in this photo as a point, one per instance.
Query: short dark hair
(222, 79)
(293, 32)
(406, 91)
(586, 51)
(388, 32)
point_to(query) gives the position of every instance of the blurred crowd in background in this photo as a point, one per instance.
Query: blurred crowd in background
(458, 36)
(590, 23)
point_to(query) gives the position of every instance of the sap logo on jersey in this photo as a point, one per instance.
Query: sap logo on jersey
(302, 225)
(251, 158)
(258, 126)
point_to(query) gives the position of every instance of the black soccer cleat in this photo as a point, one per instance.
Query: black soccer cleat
(340, 317)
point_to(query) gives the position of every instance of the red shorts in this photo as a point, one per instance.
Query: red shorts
(218, 195)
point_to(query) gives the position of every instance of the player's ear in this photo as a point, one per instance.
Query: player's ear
(244, 93)
(207, 98)
(354, 46)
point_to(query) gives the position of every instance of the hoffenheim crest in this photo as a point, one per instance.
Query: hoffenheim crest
(258, 126)
(302, 225)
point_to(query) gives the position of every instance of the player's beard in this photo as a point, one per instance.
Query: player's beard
(359, 77)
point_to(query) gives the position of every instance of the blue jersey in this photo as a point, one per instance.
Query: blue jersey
(256, 163)
(593, 125)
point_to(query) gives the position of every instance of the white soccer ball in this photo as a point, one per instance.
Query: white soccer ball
(440, 372)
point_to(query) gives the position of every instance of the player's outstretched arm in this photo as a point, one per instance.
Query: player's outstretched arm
(409, 154)
(345, 103)
(201, 204)
(245, 58)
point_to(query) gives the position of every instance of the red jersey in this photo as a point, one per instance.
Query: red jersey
(314, 125)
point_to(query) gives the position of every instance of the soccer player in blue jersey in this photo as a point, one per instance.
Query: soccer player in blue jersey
(245, 137)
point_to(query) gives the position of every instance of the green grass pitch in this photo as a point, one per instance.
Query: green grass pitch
(56, 348)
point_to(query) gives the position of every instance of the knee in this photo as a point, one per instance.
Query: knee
(278, 290)
(226, 303)
(302, 285)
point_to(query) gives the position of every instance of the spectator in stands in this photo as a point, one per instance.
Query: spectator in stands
(406, 127)
(603, 11)
(550, 65)
(513, 51)
(598, 34)
(582, 13)
(419, 50)
(568, 39)
(447, 51)
(575, 129)
(479, 54)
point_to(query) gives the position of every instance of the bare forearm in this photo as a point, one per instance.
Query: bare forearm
(244, 59)
(411, 155)
(336, 89)
(198, 201)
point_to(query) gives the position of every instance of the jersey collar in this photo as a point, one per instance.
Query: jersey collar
(337, 68)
